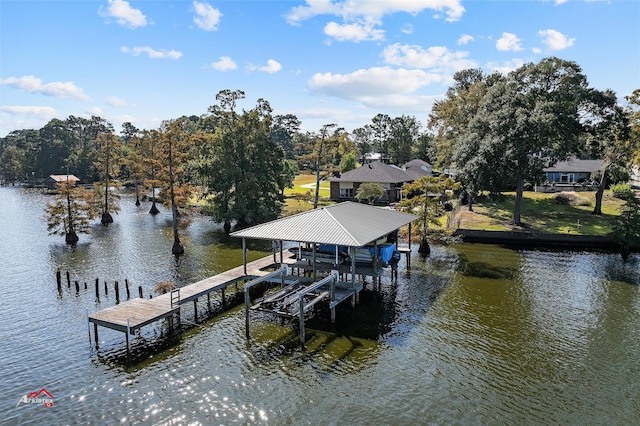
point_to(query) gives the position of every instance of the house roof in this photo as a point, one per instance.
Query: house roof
(63, 178)
(375, 172)
(345, 224)
(573, 165)
(418, 168)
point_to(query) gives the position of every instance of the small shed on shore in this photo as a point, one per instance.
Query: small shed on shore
(54, 181)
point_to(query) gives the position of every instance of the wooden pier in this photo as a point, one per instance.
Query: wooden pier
(134, 314)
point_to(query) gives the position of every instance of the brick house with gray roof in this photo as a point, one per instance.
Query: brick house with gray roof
(391, 177)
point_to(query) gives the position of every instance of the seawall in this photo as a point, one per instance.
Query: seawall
(539, 239)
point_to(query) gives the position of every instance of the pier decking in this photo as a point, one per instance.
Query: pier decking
(134, 314)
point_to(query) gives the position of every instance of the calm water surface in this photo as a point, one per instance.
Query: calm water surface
(474, 334)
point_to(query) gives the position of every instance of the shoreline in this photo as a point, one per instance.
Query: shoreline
(539, 240)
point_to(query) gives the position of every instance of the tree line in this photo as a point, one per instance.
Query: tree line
(494, 132)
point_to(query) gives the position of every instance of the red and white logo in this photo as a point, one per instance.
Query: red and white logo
(41, 397)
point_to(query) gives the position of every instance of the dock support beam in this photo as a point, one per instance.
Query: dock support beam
(244, 255)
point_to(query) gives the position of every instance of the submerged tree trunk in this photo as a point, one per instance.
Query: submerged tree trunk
(70, 237)
(424, 248)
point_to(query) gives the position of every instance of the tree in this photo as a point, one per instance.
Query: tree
(531, 119)
(404, 133)
(323, 142)
(425, 197)
(455, 144)
(348, 162)
(626, 229)
(240, 164)
(362, 138)
(69, 214)
(134, 161)
(108, 158)
(289, 172)
(284, 131)
(175, 144)
(369, 191)
(12, 163)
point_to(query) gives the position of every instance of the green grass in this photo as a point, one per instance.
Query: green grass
(541, 213)
(295, 205)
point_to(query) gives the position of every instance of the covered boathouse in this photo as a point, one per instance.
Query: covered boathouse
(340, 242)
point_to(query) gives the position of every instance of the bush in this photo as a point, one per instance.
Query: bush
(621, 190)
(571, 198)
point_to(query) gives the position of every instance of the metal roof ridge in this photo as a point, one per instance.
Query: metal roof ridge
(339, 224)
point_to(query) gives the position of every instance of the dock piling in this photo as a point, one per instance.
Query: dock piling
(97, 289)
(59, 279)
(117, 289)
(68, 280)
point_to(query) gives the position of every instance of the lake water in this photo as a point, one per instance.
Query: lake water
(474, 334)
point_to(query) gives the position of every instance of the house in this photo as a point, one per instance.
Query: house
(418, 168)
(571, 174)
(391, 177)
(54, 181)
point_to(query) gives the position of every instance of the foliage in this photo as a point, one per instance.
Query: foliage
(571, 198)
(240, 165)
(369, 192)
(426, 197)
(622, 191)
(109, 155)
(626, 229)
(348, 162)
(70, 213)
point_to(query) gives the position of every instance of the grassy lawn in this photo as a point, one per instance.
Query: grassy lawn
(302, 184)
(541, 213)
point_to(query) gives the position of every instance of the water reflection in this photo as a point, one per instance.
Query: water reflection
(522, 337)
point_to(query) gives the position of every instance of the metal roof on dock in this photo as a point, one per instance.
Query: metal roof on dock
(344, 224)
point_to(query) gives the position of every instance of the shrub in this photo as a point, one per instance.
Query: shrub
(571, 198)
(621, 190)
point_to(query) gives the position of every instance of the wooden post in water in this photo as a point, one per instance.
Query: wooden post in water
(98, 288)
(126, 286)
(117, 288)
(195, 310)
(106, 290)
(85, 285)
(223, 298)
(68, 280)
(128, 331)
(140, 291)
(59, 279)
(77, 287)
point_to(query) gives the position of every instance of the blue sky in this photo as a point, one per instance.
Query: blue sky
(325, 61)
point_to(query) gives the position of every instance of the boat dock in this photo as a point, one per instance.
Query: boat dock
(134, 314)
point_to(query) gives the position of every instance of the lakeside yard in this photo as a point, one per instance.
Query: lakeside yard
(542, 213)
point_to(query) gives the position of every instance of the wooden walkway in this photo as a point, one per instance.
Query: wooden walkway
(136, 313)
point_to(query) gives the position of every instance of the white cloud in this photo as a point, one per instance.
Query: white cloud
(272, 67)
(353, 32)
(555, 40)
(56, 89)
(372, 10)
(508, 43)
(465, 39)
(152, 53)
(505, 67)
(116, 101)
(207, 17)
(437, 57)
(41, 112)
(224, 63)
(95, 110)
(367, 84)
(407, 29)
(124, 14)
